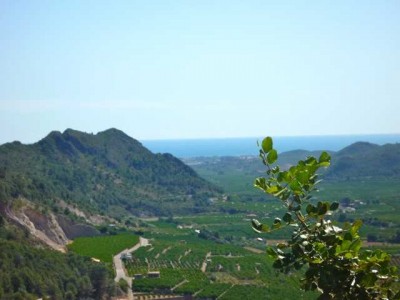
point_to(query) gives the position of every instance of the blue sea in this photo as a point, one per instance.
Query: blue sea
(248, 146)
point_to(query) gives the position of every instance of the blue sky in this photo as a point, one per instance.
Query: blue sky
(199, 69)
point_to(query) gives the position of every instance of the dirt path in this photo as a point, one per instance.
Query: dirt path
(120, 271)
(254, 250)
(204, 265)
(223, 293)
(179, 284)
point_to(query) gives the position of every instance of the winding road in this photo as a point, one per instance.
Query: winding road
(120, 271)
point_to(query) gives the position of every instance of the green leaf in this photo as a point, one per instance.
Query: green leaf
(277, 223)
(272, 156)
(272, 189)
(295, 186)
(275, 170)
(322, 208)
(348, 255)
(260, 183)
(334, 206)
(355, 245)
(259, 227)
(369, 279)
(310, 160)
(266, 144)
(355, 227)
(310, 209)
(265, 228)
(324, 158)
(344, 246)
(287, 217)
(348, 236)
(303, 177)
(272, 253)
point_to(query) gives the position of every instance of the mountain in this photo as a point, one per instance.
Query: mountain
(107, 173)
(362, 159)
(358, 161)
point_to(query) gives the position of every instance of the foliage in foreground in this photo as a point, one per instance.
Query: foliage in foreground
(336, 265)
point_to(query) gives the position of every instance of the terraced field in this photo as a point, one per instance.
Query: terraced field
(190, 265)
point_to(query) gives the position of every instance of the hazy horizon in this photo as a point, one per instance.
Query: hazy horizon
(243, 146)
(391, 135)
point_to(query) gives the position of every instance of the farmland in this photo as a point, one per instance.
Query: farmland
(218, 255)
(206, 255)
(375, 200)
(103, 247)
(191, 264)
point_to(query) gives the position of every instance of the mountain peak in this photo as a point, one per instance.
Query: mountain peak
(358, 148)
(112, 130)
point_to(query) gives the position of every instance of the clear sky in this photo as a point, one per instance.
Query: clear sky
(199, 69)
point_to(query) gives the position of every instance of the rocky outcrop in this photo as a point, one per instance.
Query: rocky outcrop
(51, 229)
(43, 227)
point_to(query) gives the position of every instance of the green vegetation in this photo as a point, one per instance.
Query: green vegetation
(29, 272)
(374, 199)
(103, 247)
(113, 175)
(335, 264)
(179, 254)
(364, 160)
(108, 173)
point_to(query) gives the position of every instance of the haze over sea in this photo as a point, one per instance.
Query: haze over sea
(248, 146)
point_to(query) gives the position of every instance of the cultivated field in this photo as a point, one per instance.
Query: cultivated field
(103, 247)
(190, 264)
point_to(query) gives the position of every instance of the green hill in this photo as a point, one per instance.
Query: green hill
(358, 161)
(109, 172)
(366, 160)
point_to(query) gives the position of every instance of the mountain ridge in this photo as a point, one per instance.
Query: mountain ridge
(364, 159)
(104, 172)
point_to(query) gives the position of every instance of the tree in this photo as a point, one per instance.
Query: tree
(335, 264)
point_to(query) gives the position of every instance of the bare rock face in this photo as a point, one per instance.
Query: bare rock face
(43, 227)
(52, 230)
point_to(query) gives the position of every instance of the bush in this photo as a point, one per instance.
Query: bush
(336, 266)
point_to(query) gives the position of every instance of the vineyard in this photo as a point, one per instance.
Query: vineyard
(103, 247)
(189, 265)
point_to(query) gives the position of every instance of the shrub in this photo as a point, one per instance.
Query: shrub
(335, 264)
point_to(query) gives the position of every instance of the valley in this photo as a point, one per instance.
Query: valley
(96, 195)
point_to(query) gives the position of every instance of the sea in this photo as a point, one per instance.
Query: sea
(185, 148)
